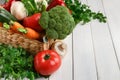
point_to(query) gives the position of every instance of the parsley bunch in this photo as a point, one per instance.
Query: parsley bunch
(15, 63)
(82, 12)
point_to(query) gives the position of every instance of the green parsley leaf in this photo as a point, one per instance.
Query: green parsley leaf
(16, 63)
(82, 12)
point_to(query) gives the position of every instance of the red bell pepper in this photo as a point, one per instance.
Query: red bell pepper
(33, 22)
(54, 3)
(8, 4)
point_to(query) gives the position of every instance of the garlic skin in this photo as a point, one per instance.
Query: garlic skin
(60, 47)
(18, 10)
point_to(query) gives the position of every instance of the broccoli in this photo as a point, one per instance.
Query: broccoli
(57, 22)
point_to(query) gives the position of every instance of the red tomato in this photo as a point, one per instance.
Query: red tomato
(47, 62)
(33, 22)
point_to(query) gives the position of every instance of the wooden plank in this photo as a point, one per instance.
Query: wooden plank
(113, 16)
(65, 71)
(84, 61)
(106, 60)
(41, 79)
(84, 65)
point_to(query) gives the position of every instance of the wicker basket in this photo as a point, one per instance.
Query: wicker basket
(18, 40)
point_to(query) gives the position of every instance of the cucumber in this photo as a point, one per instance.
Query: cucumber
(5, 16)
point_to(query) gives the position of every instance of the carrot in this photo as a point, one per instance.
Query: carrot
(32, 34)
(15, 26)
(1, 24)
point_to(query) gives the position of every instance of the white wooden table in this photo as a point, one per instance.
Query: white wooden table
(94, 49)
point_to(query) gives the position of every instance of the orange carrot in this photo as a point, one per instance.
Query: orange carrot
(32, 34)
(15, 26)
(1, 24)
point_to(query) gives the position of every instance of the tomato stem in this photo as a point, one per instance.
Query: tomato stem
(47, 56)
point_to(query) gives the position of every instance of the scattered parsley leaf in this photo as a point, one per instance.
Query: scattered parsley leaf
(82, 12)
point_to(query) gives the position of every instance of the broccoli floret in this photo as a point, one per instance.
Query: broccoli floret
(57, 22)
(44, 20)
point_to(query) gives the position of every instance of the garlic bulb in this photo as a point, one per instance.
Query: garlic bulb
(18, 10)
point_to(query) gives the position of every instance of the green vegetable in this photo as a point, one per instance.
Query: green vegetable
(41, 5)
(16, 63)
(82, 12)
(30, 6)
(57, 22)
(6, 26)
(5, 16)
(35, 6)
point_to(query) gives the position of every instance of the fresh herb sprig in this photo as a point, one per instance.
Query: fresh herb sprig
(82, 12)
(16, 63)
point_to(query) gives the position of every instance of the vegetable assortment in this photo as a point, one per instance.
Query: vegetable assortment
(31, 34)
